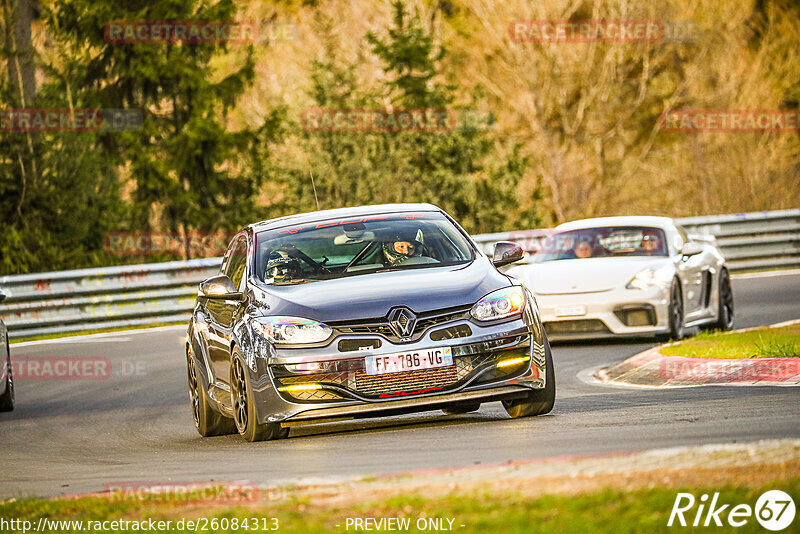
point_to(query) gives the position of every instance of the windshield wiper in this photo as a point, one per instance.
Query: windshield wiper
(402, 267)
(295, 282)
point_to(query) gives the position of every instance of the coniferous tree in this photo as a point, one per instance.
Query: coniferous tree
(459, 169)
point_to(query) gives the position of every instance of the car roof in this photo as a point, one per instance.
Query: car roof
(323, 215)
(633, 220)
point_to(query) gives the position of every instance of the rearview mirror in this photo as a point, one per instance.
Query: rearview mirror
(219, 287)
(691, 249)
(506, 252)
(352, 238)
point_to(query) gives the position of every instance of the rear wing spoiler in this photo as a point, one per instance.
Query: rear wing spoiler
(704, 238)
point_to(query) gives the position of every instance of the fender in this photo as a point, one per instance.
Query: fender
(199, 353)
(255, 350)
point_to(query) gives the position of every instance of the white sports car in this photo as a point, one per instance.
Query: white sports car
(627, 276)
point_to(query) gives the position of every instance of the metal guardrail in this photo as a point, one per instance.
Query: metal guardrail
(157, 293)
(760, 240)
(111, 297)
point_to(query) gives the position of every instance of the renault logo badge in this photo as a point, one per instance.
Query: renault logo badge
(402, 321)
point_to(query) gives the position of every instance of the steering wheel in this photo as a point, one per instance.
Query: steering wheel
(296, 253)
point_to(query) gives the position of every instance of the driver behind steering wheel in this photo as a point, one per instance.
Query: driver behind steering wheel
(282, 268)
(400, 249)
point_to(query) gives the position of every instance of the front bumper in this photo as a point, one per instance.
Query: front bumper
(349, 393)
(618, 312)
(410, 405)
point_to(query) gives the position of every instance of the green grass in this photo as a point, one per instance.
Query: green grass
(94, 331)
(782, 342)
(610, 511)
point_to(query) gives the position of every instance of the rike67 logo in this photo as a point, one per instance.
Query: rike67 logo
(774, 510)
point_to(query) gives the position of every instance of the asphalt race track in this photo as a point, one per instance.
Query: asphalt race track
(77, 436)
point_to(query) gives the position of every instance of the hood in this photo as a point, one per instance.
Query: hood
(373, 295)
(590, 275)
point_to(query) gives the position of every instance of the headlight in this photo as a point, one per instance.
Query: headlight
(651, 277)
(499, 304)
(291, 330)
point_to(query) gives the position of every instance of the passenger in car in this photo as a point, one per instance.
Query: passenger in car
(651, 244)
(583, 250)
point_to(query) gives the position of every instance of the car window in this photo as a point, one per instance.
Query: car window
(334, 249)
(603, 242)
(235, 260)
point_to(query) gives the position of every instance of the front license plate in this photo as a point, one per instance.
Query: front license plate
(408, 361)
(570, 311)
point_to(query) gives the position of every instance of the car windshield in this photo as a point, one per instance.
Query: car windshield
(338, 248)
(603, 242)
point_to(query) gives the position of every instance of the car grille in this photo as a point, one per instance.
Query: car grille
(451, 332)
(375, 386)
(641, 315)
(579, 326)
(350, 345)
(317, 395)
(380, 325)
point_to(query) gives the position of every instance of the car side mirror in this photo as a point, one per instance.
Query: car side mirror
(691, 249)
(506, 252)
(219, 287)
(2, 296)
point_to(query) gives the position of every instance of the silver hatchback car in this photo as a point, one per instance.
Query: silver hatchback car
(362, 312)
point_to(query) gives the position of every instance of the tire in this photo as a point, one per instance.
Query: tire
(725, 308)
(244, 410)
(455, 409)
(540, 401)
(207, 420)
(7, 398)
(676, 330)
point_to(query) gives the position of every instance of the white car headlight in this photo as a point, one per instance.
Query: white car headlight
(291, 330)
(651, 277)
(499, 304)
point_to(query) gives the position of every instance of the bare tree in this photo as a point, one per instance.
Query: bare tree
(18, 15)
